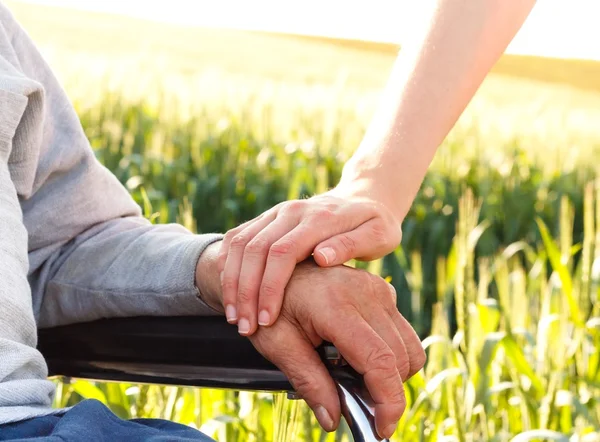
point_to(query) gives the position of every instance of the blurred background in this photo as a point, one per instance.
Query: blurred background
(212, 112)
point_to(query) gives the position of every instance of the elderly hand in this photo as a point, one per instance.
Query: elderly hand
(257, 258)
(356, 311)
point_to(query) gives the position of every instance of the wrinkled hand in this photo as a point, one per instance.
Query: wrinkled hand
(257, 258)
(355, 311)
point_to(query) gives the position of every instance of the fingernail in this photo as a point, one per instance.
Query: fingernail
(264, 318)
(231, 313)
(243, 326)
(328, 254)
(389, 431)
(324, 418)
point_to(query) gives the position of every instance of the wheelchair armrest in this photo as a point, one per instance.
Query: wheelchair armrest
(192, 351)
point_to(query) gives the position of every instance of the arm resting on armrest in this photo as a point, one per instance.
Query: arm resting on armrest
(194, 351)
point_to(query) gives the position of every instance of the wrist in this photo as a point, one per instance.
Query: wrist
(207, 278)
(374, 187)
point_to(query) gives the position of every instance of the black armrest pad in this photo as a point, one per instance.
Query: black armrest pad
(202, 351)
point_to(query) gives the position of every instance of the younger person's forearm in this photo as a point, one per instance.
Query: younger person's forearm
(435, 76)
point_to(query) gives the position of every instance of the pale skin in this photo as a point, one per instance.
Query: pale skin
(354, 310)
(433, 79)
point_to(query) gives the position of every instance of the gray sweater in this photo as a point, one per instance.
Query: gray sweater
(73, 244)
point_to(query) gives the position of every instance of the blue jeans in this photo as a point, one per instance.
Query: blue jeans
(92, 421)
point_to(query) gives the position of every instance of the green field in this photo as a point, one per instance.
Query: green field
(276, 57)
(545, 100)
(229, 123)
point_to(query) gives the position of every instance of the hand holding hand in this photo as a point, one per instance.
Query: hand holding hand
(257, 258)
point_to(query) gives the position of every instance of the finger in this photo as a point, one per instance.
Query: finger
(414, 348)
(370, 356)
(298, 245)
(284, 254)
(286, 249)
(252, 269)
(305, 371)
(224, 250)
(233, 264)
(370, 240)
(385, 327)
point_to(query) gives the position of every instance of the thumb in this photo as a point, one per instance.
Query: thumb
(358, 243)
(305, 371)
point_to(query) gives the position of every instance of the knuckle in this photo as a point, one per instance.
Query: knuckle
(395, 398)
(381, 358)
(230, 234)
(398, 402)
(239, 241)
(245, 296)
(395, 390)
(379, 234)
(332, 206)
(323, 215)
(293, 207)
(372, 283)
(282, 248)
(278, 207)
(385, 237)
(399, 399)
(305, 385)
(228, 284)
(270, 290)
(382, 290)
(347, 243)
(258, 246)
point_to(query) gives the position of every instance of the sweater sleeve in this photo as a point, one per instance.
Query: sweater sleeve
(91, 253)
(24, 390)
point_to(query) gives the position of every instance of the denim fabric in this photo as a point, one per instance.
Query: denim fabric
(92, 421)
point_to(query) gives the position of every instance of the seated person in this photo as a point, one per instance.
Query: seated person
(74, 247)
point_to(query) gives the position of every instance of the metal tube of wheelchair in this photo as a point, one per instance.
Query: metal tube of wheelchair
(358, 413)
(355, 401)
